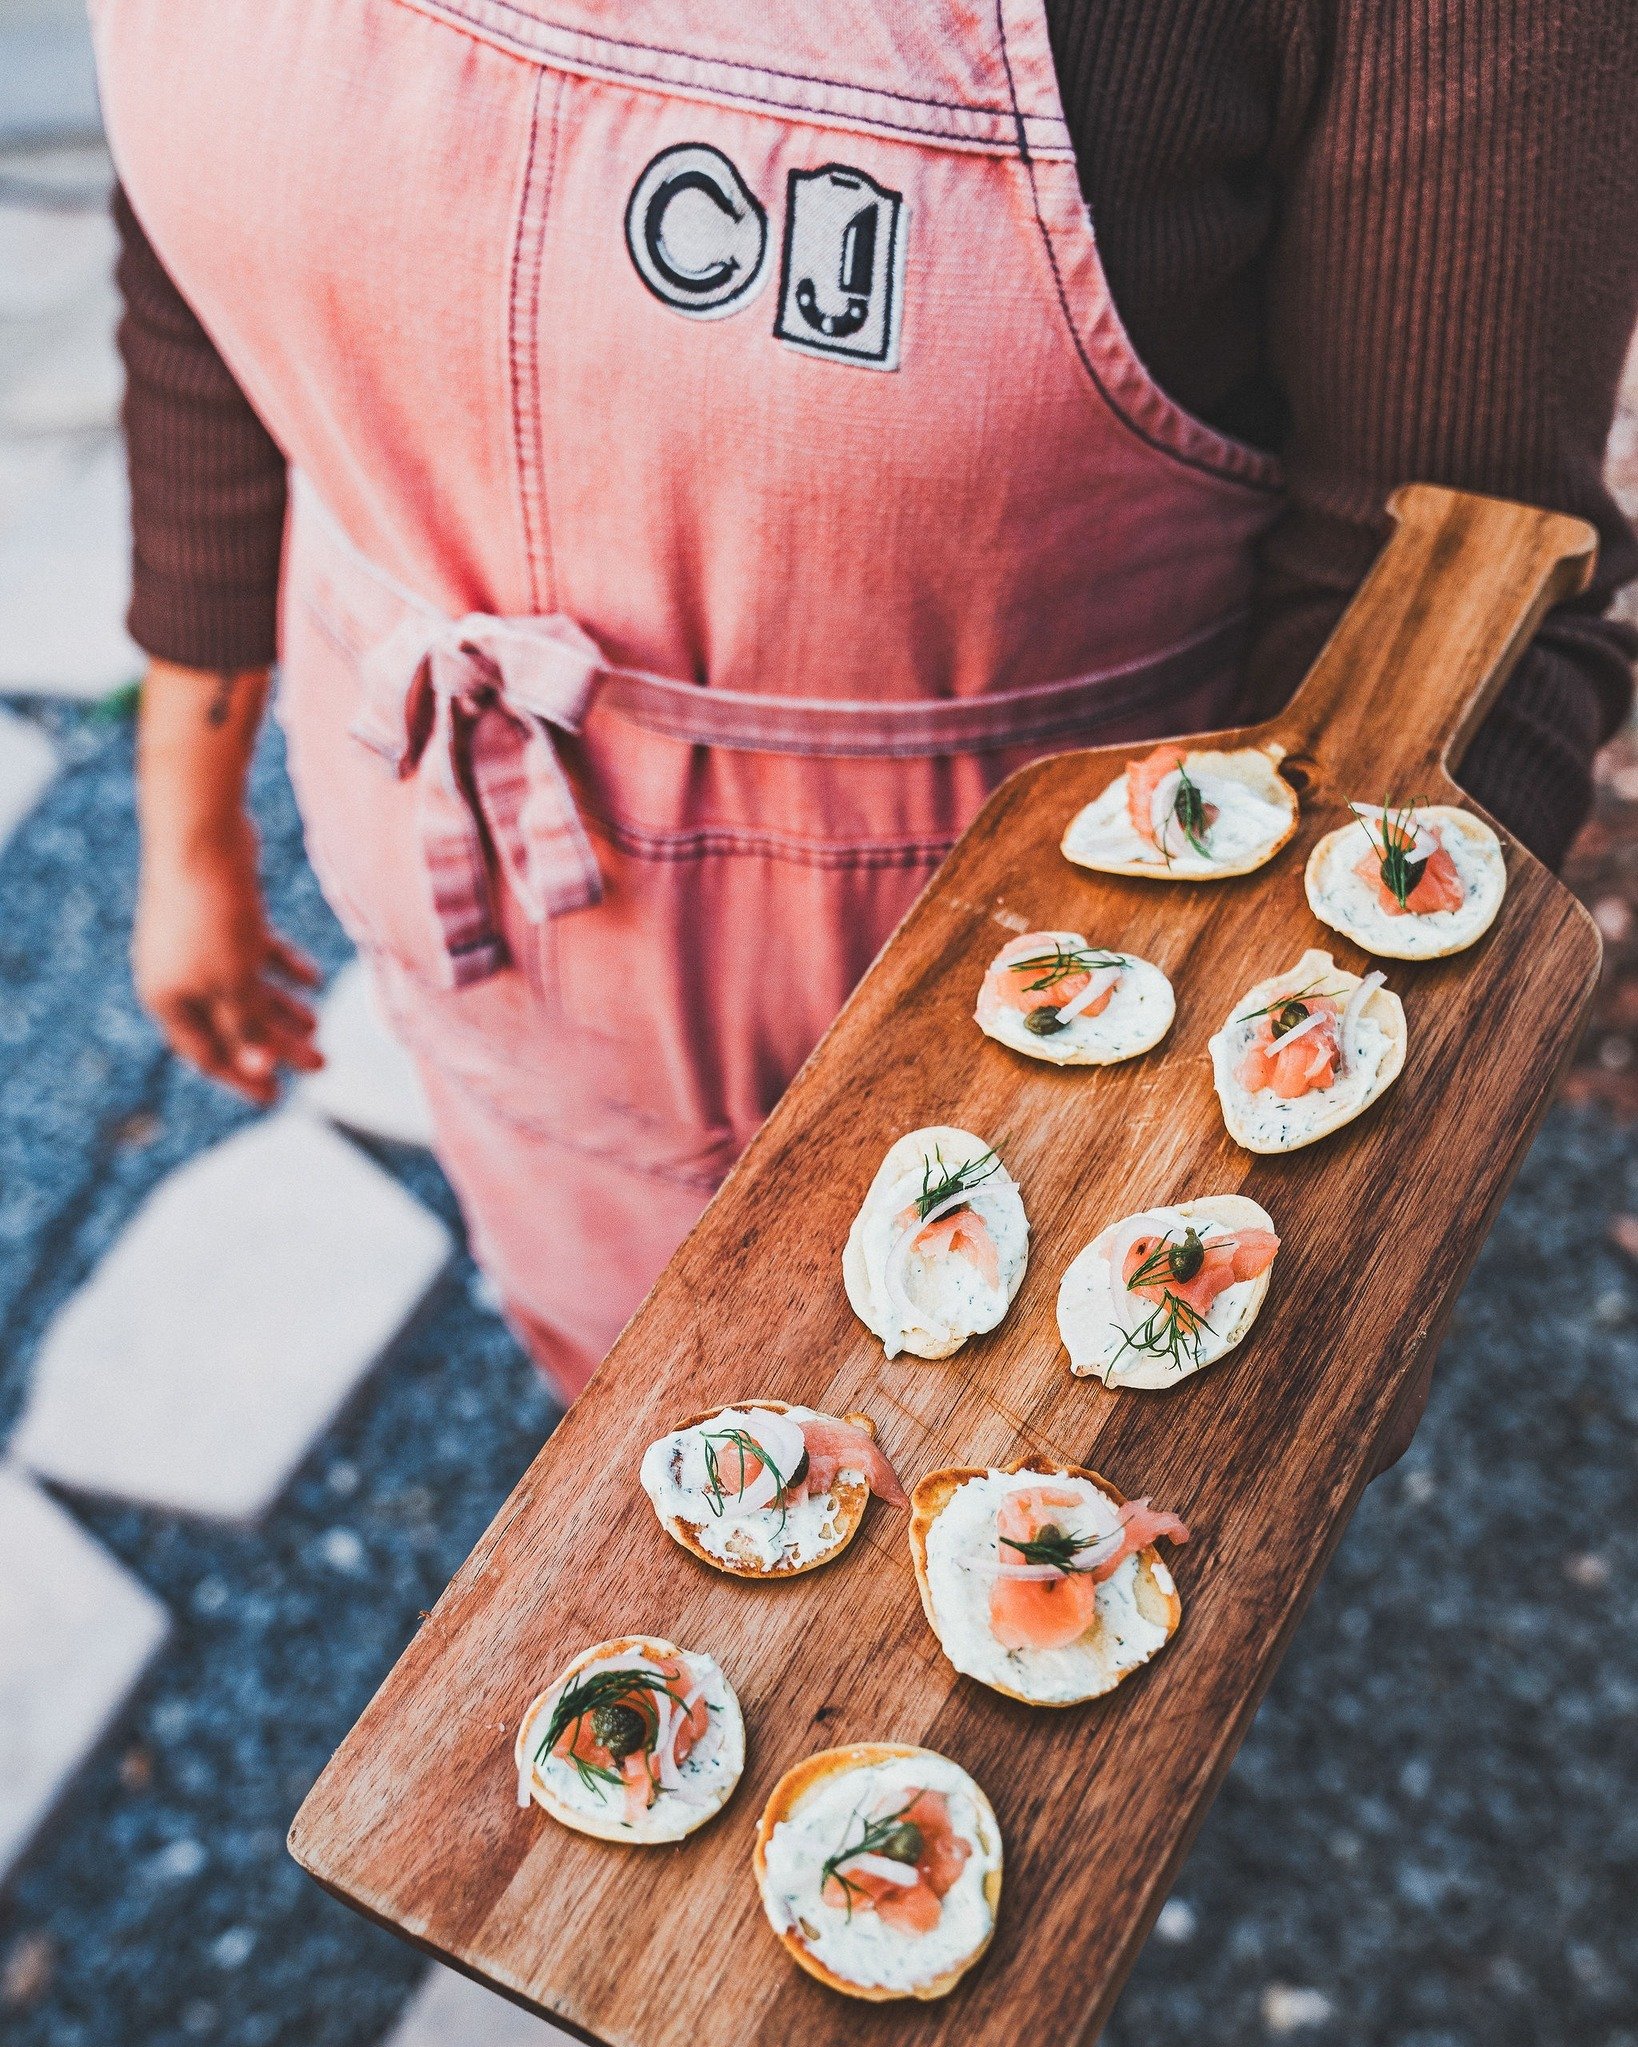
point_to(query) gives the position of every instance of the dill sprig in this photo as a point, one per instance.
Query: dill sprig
(1051, 1545)
(1173, 1329)
(584, 1697)
(747, 1446)
(1312, 993)
(1400, 873)
(1179, 1261)
(1189, 808)
(879, 1836)
(1061, 962)
(950, 1181)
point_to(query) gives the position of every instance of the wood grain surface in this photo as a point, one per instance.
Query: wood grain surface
(414, 1821)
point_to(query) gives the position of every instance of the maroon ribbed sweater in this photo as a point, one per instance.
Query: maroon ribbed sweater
(1390, 239)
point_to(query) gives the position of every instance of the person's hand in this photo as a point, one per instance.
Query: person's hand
(213, 973)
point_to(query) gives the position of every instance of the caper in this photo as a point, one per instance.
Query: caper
(799, 1470)
(1186, 1259)
(904, 1843)
(621, 1730)
(1288, 1016)
(1044, 1021)
(1400, 874)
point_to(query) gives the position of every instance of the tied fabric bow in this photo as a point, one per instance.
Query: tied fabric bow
(466, 705)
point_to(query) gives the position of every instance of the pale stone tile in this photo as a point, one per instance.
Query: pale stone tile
(50, 257)
(70, 382)
(28, 760)
(369, 1081)
(64, 585)
(29, 471)
(48, 82)
(221, 1334)
(76, 1632)
(450, 2010)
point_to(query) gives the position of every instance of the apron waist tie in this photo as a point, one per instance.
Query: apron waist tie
(467, 706)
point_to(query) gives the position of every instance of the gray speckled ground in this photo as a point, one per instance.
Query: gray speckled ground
(1429, 1840)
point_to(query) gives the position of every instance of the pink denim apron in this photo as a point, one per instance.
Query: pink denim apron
(719, 464)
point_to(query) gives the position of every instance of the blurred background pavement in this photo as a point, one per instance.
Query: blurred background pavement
(1430, 1838)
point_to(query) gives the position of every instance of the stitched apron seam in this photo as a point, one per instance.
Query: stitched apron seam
(709, 841)
(1001, 720)
(1273, 488)
(523, 344)
(641, 49)
(830, 114)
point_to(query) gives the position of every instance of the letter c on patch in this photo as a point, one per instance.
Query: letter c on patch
(697, 234)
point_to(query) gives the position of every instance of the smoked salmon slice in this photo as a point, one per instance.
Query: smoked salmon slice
(835, 1446)
(1143, 778)
(1044, 1611)
(1439, 886)
(1224, 1262)
(832, 1446)
(636, 1767)
(917, 1837)
(1038, 1613)
(961, 1231)
(1035, 972)
(1308, 1061)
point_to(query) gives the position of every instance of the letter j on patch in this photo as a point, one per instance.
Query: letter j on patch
(841, 288)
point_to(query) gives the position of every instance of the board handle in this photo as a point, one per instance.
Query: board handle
(1434, 631)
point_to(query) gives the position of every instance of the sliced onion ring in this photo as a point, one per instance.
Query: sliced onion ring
(1422, 847)
(1102, 978)
(1160, 806)
(1312, 1023)
(883, 1866)
(1130, 1309)
(1351, 1015)
(780, 1437)
(899, 1257)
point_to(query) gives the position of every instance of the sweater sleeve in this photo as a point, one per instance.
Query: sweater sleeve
(207, 481)
(1452, 289)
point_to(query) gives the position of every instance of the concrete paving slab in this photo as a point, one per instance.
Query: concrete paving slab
(48, 83)
(50, 256)
(28, 760)
(369, 1082)
(222, 1333)
(28, 471)
(65, 583)
(453, 2011)
(76, 1632)
(71, 380)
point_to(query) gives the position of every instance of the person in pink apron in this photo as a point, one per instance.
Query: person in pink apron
(718, 463)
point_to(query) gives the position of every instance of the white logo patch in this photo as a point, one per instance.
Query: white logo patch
(696, 232)
(841, 291)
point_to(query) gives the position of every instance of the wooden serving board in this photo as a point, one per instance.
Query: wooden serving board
(415, 1822)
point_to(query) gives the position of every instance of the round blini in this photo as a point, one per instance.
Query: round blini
(1137, 1016)
(806, 1818)
(1339, 897)
(1258, 814)
(1263, 1122)
(930, 1307)
(738, 1551)
(1087, 1321)
(1138, 1608)
(708, 1776)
